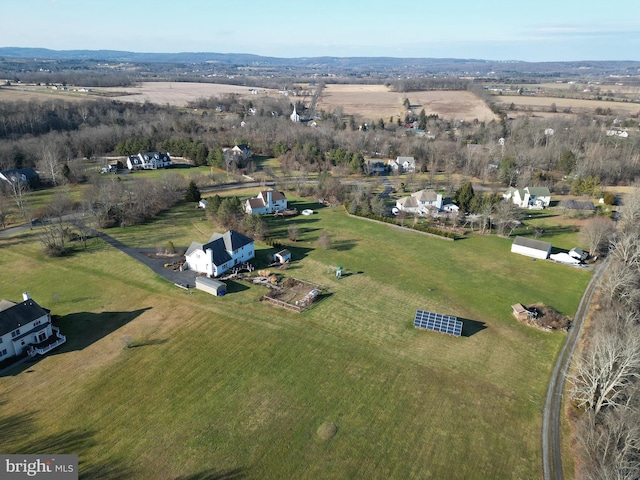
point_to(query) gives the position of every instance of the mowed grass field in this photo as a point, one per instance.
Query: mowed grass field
(378, 101)
(231, 386)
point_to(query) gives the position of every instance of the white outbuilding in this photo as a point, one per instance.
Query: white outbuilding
(563, 257)
(531, 248)
(211, 285)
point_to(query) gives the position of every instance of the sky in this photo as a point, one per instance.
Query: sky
(540, 30)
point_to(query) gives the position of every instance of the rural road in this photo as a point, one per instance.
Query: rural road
(551, 419)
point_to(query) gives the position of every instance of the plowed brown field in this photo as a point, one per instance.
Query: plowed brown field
(377, 101)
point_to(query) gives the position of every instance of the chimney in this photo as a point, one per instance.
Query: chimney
(26, 296)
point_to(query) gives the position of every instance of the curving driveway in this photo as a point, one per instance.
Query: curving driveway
(185, 278)
(551, 419)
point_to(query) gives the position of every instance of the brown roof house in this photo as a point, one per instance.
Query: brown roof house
(267, 201)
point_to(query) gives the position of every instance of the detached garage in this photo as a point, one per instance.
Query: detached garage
(531, 248)
(212, 286)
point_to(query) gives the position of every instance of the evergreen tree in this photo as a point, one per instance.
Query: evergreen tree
(193, 192)
(464, 197)
(422, 121)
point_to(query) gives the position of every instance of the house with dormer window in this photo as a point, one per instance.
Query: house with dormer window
(222, 252)
(149, 161)
(25, 328)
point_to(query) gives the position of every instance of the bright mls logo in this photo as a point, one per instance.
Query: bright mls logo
(52, 467)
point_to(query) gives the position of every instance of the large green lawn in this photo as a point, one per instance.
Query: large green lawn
(230, 385)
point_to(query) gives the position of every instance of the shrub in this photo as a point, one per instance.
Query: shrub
(609, 198)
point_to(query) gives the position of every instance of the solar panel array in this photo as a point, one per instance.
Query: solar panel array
(437, 322)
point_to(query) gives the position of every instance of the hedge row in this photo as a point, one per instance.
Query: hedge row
(418, 227)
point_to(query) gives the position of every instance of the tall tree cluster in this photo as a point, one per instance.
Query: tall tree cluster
(605, 383)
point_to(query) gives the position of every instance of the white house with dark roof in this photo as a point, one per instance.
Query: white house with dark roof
(531, 247)
(423, 202)
(222, 252)
(528, 197)
(148, 161)
(403, 165)
(26, 328)
(267, 201)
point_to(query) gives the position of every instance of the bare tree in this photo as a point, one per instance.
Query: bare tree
(630, 211)
(325, 241)
(610, 444)
(609, 364)
(4, 210)
(294, 232)
(54, 232)
(621, 282)
(507, 217)
(626, 249)
(597, 232)
(19, 192)
(50, 162)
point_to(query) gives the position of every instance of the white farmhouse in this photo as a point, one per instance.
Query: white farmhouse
(221, 253)
(148, 161)
(267, 201)
(403, 165)
(422, 202)
(26, 328)
(529, 197)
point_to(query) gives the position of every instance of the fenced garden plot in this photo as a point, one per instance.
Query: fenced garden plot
(293, 294)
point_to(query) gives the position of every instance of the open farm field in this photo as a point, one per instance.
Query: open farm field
(371, 102)
(27, 94)
(543, 104)
(172, 93)
(178, 93)
(226, 387)
(616, 88)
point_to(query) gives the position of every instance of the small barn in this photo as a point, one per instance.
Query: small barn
(531, 247)
(212, 286)
(283, 256)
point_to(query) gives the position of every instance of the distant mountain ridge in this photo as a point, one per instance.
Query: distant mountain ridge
(470, 66)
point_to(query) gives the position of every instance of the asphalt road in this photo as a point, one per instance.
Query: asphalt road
(551, 420)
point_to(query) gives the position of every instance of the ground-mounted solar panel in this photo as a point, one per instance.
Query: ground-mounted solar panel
(437, 322)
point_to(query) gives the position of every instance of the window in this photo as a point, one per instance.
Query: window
(0, 339)
(15, 333)
(36, 323)
(3, 352)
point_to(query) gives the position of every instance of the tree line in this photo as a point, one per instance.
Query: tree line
(605, 379)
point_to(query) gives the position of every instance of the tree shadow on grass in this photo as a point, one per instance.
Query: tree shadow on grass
(233, 474)
(20, 436)
(81, 329)
(235, 287)
(85, 328)
(343, 245)
(471, 327)
(151, 341)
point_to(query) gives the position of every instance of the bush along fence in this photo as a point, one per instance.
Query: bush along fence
(431, 231)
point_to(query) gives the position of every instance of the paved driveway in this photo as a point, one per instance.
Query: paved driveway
(186, 278)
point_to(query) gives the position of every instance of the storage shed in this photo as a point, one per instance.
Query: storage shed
(531, 248)
(212, 286)
(283, 256)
